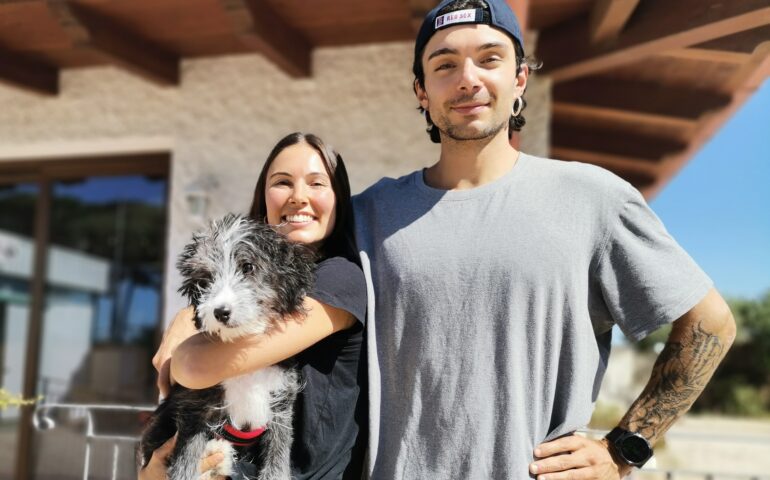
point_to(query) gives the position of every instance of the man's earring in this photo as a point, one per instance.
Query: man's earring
(430, 126)
(518, 106)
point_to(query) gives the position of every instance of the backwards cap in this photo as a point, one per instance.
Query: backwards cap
(499, 16)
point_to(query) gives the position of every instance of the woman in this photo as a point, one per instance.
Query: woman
(304, 191)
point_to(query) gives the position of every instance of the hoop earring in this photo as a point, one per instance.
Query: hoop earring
(430, 126)
(518, 106)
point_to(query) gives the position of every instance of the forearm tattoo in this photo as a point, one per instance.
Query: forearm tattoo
(680, 374)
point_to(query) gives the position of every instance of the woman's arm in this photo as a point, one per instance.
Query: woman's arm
(181, 328)
(202, 361)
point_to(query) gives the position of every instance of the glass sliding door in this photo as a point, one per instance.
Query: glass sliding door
(102, 304)
(17, 251)
(80, 304)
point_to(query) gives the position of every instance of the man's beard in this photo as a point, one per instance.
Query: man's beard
(458, 134)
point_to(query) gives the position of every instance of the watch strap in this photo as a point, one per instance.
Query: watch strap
(615, 438)
(615, 434)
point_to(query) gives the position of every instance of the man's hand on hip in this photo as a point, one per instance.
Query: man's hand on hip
(576, 458)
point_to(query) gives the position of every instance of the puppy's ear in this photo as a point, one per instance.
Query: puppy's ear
(197, 319)
(188, 265)
(302, 261)
(293, 267)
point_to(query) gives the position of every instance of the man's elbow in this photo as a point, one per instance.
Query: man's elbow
(729, 328)
(712, 316)
(720, 319)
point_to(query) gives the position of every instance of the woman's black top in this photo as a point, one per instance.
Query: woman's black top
(330, 415)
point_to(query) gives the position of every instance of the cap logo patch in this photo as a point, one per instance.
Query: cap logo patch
(460, 16)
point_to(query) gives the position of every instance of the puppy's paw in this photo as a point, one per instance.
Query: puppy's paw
(223, 468)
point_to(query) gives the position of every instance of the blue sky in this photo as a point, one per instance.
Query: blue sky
(101, 190)
(718, 206)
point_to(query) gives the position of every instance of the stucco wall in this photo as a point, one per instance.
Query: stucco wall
(222, 121)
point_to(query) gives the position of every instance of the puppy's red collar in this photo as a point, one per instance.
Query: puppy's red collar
(239, 438)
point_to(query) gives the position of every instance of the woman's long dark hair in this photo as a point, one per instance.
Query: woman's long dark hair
(340, 241)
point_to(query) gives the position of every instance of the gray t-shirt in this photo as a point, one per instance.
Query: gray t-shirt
(490, 311)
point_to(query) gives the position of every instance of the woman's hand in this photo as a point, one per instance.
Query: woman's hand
(181, 328)
(210, 463)
(156, 467)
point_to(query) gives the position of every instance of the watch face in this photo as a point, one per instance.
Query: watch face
(635, 449)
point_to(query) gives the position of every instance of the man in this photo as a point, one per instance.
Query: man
(495, 278)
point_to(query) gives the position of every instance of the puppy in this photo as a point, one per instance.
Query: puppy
(241, 277)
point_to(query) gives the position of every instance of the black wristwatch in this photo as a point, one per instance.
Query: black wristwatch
(629, 447)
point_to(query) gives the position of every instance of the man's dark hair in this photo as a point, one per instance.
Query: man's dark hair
(516, 123)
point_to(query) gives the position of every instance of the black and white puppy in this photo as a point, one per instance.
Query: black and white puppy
(241, 277)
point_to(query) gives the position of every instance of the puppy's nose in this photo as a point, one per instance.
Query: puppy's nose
(222, 314)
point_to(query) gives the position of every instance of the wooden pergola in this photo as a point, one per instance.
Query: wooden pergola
(638, 85)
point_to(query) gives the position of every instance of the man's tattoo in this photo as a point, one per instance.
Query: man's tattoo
(679, 376)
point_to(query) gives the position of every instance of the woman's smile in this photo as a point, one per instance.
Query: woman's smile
(299, 197)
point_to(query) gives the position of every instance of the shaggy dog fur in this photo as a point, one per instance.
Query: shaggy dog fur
(241, 277)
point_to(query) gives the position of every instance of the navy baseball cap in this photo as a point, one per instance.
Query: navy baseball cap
(499, 15)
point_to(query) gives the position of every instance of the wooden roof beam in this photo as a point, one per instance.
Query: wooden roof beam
(639, 96)
(708, 55)
(674, 127)
(23, 73)
(608, 18)
(657, 26)
(744, 82)
(645, 148)
(741, 42)
(260, 28)
(114, 43)
(733, 49)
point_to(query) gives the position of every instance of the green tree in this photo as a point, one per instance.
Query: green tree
(741, 384)
(753, 319)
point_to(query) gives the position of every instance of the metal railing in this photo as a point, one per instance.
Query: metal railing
(42, 422)
(674, 474)
(686, 473)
